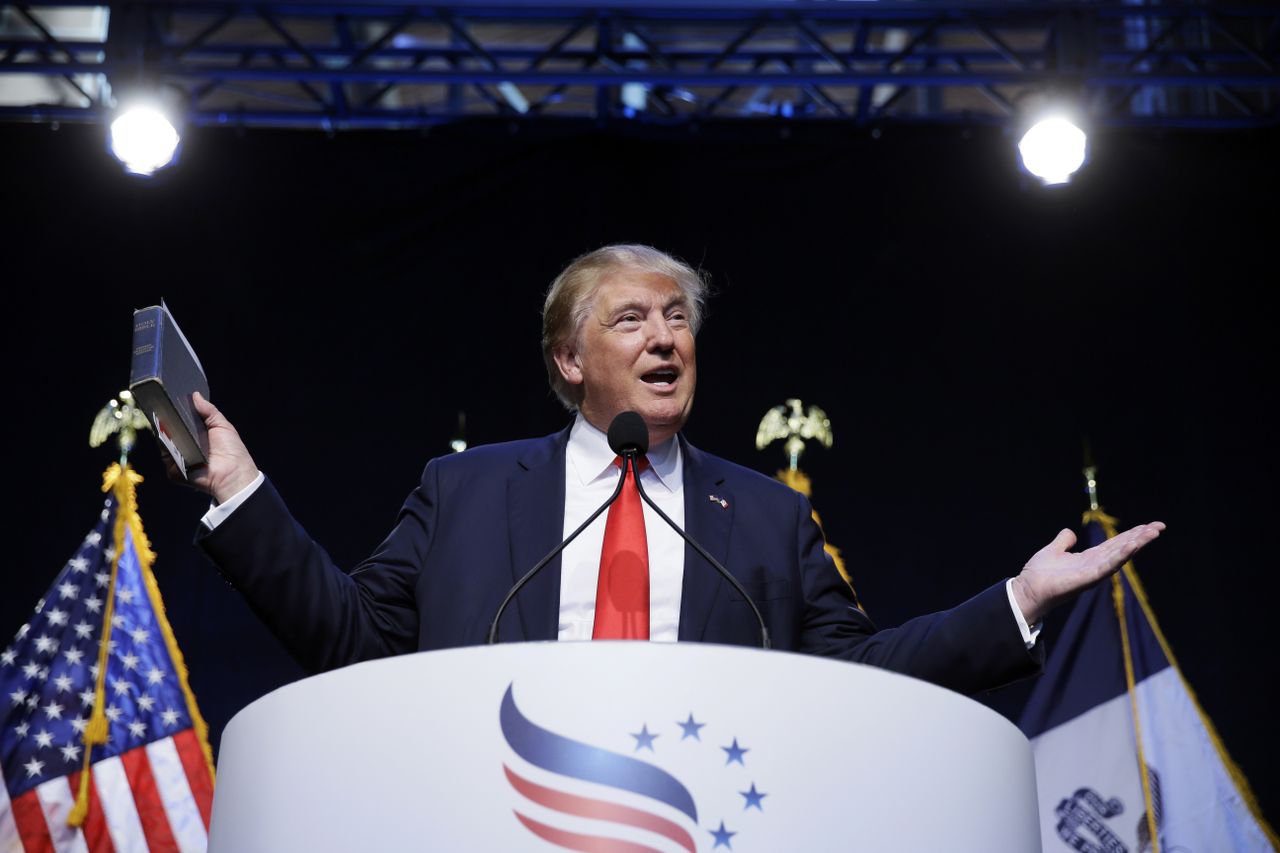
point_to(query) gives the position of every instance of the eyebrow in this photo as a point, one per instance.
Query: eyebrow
(636, 305)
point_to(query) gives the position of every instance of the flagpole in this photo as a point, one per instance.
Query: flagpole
(1095, 513)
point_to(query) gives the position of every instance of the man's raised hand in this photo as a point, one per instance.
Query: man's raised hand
(1054, 574)
(230, 466)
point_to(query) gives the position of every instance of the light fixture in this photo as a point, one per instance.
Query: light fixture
(144, 137)
(1053, 149)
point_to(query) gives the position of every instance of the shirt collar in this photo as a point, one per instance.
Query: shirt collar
(591, 458)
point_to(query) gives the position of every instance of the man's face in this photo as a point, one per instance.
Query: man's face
(634, 352)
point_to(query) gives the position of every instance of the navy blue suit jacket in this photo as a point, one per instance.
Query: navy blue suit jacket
(480, 519)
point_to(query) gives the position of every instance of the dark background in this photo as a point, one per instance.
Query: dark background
(965, 329)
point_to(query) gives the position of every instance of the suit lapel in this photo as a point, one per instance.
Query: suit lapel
(708, 521)
(535, 513)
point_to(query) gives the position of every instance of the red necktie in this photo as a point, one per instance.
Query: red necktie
(622, 591)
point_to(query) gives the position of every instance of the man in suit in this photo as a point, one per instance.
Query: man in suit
(619, 328)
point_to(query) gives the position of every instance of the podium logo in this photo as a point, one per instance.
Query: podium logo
(588, 798)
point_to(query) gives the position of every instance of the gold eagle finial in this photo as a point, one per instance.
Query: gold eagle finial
(792, 423)
(122, 417)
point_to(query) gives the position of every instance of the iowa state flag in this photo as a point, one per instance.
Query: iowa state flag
(102, 747)
(1126, 760)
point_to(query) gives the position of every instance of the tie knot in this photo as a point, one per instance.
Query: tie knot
(642, 464)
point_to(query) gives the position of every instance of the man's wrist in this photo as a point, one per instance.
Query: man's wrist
(1029, 605)
(219, 512)
(225, 491)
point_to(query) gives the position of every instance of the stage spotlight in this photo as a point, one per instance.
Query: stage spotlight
(1053, 150)
(143, 139)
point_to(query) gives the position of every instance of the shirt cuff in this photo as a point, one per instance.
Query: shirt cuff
(1029, 632)
(219, 512)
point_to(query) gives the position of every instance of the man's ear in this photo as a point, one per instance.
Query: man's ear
(568, 363)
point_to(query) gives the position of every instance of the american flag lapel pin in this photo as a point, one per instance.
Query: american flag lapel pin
(716, 499)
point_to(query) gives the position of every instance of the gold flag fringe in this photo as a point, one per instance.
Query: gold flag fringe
(121, 482)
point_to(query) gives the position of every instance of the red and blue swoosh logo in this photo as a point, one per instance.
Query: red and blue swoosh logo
(570, 760)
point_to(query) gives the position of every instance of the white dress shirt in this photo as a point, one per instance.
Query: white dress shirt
(589, 478)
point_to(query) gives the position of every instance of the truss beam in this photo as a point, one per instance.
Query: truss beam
(399, 64)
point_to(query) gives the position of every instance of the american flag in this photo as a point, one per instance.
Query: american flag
(150, 784)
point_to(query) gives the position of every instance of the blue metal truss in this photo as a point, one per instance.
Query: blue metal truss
(398, 64)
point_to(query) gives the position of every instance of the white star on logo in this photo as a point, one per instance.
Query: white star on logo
(79, 565)
(46, 645)
(140, 635)
(44, 738)
(155, 676)
(63, 683)
(73, 656)
(57, 617)
(34, 768)
(53, 711)
(138, 729)
(94, 604)
(169, 717)
(68, 590)
(146, 702)
(71, 752)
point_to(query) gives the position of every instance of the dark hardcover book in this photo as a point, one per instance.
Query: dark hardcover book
(164, 376)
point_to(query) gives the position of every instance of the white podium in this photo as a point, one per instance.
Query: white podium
(621, 746)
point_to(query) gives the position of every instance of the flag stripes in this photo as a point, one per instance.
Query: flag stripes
(139, 801)
(56, 801)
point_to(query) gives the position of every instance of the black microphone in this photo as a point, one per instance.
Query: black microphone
(628, 436)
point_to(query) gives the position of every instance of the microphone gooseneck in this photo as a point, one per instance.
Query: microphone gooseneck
(765, 643)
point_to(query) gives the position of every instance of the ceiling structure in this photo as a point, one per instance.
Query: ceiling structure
(391, 64)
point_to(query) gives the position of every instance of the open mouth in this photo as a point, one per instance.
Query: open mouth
(662, 376)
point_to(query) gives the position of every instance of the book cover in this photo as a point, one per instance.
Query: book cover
(164, 376)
